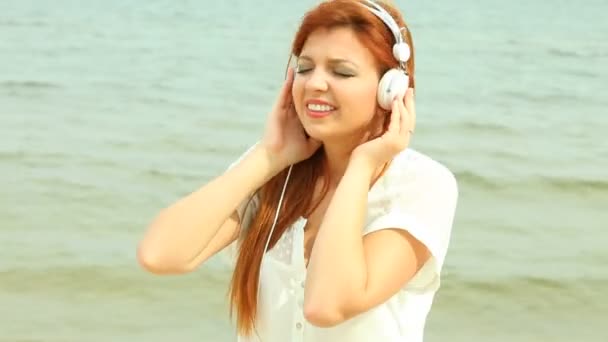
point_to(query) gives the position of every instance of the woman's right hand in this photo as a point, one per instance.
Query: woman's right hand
(284, 138)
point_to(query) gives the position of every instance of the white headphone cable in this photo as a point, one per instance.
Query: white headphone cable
(276, 217)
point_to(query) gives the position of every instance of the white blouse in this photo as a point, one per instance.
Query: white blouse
(416, 194)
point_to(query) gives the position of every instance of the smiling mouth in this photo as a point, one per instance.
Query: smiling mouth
(317, 111)
(320, 107)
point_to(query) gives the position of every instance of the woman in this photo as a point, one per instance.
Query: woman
(355, 224)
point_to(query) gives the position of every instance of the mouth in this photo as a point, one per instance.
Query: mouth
(319, 108)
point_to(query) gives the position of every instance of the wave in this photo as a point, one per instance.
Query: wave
(576, 184)
(560, 184)
(582, 73)
(551, 292)
(23, 156)
(506, 285)
(468, 178)
(98, 280)
(15, 85)
(475, 126)
(553, 51)
(561, 52)
(456, 290)
(557, 96)
(15, 23)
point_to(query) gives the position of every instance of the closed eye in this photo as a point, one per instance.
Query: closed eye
(342, 74)
(337, 73)
(302, 70)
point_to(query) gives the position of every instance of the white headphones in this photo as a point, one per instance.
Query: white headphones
(394, 82)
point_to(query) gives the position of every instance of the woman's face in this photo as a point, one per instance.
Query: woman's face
(335, 85)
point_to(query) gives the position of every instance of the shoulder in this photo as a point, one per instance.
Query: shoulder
(418, 194)
(412, 168)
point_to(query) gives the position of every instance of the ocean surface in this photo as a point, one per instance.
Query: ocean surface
(110, 110)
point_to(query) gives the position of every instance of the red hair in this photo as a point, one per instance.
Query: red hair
(298, 201)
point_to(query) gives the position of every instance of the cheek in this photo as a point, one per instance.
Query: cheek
(372, 99)
(364, 100)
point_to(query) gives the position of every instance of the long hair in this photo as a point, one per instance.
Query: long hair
(298, 200)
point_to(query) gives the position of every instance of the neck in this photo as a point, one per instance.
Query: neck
(337, 157)
(339, 149)
(337, 161)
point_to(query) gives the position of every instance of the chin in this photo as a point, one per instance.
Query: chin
(321, 134)
(331, 133)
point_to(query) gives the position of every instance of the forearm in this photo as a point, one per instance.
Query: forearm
(182, 230)
(337, 269)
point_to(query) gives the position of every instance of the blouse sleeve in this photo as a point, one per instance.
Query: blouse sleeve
(422, 202)
(248, 207)
(246, 211)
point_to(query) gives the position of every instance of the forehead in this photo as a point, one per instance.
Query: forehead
(340, 42)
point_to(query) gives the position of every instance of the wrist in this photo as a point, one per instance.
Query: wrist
(269, 163)
(363, 165)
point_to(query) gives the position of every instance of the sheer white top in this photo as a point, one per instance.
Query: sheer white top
(416, 194)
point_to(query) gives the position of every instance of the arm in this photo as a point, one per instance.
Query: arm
(348, 273)
(190, 231)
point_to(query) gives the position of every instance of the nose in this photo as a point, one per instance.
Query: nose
(317, 80)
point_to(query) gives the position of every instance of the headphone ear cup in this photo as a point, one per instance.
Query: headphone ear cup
(394, 83)
(401, 52)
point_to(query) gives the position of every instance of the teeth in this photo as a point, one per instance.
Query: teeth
(320, 108)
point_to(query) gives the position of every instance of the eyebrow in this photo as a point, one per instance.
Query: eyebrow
(331, 60)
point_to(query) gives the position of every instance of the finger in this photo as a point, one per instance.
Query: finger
(393, 126)
(411, 109)
(290, 113)
(404, 126)
(285, 95)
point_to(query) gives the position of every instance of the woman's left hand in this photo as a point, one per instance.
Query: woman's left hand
(397, 137)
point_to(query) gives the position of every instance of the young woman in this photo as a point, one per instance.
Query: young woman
(340, 229)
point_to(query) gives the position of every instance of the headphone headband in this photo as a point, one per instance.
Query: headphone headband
(395, 82)
(401, 50)
(388, 20)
